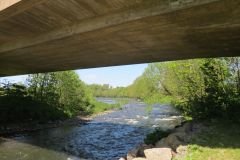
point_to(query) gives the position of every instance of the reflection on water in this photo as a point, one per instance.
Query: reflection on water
(107, 137)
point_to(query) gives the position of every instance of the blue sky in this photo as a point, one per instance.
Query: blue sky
(115, 76)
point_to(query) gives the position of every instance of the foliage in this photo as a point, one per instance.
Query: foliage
(200, 88)
(107, 91)
(140, 88)
(17, 105)
(47, 96)
(219, 97)
(61, 90)
(158, 98)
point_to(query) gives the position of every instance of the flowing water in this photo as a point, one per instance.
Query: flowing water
(106, 137)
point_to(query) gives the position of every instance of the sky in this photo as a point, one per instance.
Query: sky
(118, 76)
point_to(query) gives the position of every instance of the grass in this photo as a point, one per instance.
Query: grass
(220, 141)
(101, 107)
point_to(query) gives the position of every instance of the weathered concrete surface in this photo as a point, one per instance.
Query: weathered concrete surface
(46, 35)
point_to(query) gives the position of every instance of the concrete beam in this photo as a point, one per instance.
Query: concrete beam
(147, 31)
(153, 8)
(9, 8)
(5, 4)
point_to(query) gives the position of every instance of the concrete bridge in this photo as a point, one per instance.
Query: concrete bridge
(51, 35)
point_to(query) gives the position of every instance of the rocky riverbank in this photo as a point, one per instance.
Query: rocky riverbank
(107, 136)
(172, 146)
(11, 129)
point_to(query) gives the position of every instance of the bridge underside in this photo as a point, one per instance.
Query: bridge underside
(52, 35)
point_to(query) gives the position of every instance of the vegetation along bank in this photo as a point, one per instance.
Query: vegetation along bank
(206, 91)
(47, 100)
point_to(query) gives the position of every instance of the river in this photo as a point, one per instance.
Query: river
(106, 137)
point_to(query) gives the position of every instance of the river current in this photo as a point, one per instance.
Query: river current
(107, 137)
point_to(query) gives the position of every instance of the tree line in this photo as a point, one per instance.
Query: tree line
(200, 88)
(47, 96)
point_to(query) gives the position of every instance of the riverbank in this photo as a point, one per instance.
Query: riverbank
(30, 126)
(107, 136)
(193, 141)
(15, 128)
(220, 140)
(168, 146)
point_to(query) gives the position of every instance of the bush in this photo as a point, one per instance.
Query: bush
(158, 98)
(219, 96)
(48, 96)
(22, 109)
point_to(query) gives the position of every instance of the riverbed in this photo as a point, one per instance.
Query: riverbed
(107, 137)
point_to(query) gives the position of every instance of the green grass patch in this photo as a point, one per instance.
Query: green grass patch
(101, 107)
(220, 141)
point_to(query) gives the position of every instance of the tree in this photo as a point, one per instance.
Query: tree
(62, 90)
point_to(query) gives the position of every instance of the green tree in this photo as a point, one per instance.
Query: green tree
(63, 90)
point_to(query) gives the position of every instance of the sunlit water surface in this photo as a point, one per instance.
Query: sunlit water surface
(106, 137)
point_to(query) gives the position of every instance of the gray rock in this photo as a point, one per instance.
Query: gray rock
(161, 144)
(182, 136)
(173, 141)
(188, 127)
(141, 149)
(158, 154)
(132, 153)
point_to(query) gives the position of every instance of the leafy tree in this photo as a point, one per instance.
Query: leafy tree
(63, 90)
(200, 88)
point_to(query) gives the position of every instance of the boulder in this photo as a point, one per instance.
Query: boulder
(161, 144)
(122, 158)
(179, 129)
(139, 158)
(158, 154)
(141, 149)
(173, 141)
(187, 127)
(132, 153)
(182, 136)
